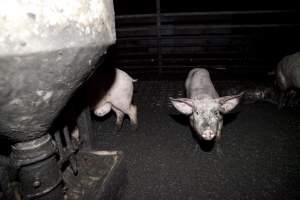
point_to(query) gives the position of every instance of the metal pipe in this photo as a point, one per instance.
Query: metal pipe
(213, 26)
(208, 13)
(4, 161)
(39, 173)
(85, 127)
(158, 24)
(238, 12)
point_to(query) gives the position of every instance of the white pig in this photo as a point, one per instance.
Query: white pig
(288, 76)
(114, 92)
(203, 104)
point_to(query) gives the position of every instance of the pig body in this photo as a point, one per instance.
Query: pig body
(288, 72)
(203, 104)
(288, 76)
(115, 89)
(198, 85)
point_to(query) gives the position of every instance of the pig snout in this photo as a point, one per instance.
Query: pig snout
(102, 110)
(208, 135)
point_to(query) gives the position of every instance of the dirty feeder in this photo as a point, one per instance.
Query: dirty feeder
(48, 48)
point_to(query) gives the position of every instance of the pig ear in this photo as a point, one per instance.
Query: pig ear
(228, 103)
(183, 105)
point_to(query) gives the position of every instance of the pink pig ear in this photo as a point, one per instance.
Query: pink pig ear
(228, 103)
(183, 105)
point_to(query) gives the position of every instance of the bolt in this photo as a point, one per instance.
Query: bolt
(36, 183)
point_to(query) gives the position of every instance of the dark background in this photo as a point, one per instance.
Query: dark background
(236, 38)
(125, 7)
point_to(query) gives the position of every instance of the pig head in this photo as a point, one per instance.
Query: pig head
(203, 104)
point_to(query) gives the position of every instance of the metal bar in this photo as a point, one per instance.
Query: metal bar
(158, 23)
(85, 128)
(207, 13)
(4, 160)
(67, 138)
(138, 16)
(70, 150)
(233, 26)
(214, 26)
(229, 13)
(59, 144)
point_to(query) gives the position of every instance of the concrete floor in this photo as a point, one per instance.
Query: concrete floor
(260, 145)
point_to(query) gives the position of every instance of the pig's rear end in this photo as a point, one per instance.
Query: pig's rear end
(117, 96)
(288, 72)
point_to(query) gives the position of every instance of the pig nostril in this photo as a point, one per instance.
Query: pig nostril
(208, 134)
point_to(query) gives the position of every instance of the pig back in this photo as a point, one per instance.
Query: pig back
(110, 85)
(288, 71)
(122, 86)
(199, 85)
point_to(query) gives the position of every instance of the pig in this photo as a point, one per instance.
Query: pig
(288, 77)
(114, 91)
(203, 105)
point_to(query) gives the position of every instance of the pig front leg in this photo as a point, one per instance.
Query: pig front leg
(291, 98)
(120, 118)
(132, 113)
(283, 99)
(219, 146)
(220, 125)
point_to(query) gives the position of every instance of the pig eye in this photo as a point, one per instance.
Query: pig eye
(197, 113)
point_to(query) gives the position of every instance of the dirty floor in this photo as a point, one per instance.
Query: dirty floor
(259, 159)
